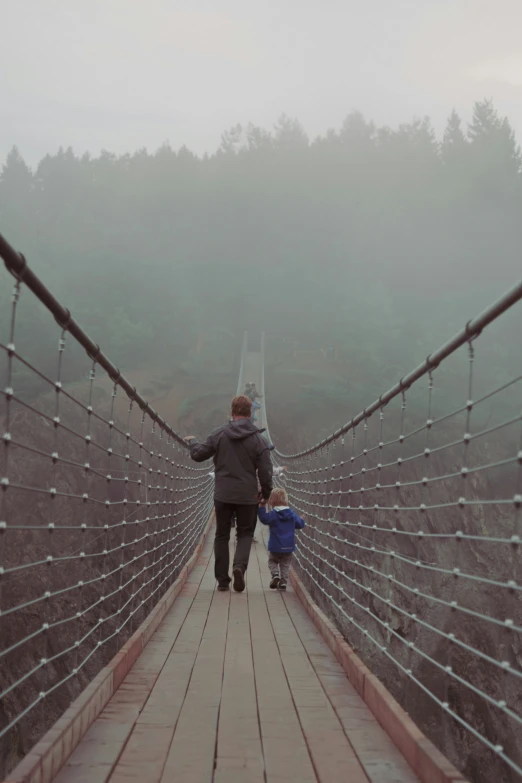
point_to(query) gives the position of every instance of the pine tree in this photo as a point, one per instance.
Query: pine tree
(16, 179)
(16, 195)
(493, 142)
(290, 134)
(231, 140)
(454, 147)
(356, 129)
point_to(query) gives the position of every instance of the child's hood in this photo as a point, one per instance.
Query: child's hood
(284, 513)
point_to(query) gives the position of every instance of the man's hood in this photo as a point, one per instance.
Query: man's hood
(241, 428)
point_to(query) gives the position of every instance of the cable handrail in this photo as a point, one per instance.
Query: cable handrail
(244, 349)
(100, 509)
(468, 333)
(413, 546)
(17, 265)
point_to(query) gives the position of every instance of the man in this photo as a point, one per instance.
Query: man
(241, 456)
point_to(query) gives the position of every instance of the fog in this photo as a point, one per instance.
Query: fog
(123, 74)
(289, 169)
(344, 177)
(378, 242)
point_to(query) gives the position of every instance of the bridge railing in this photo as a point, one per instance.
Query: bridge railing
(264, 417)
(100, 507)
(244, 349)
(414, 534)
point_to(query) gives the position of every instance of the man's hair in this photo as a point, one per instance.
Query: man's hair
(242, 406)
(278, 497)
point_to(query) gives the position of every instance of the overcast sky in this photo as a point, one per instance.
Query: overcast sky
(123, 74)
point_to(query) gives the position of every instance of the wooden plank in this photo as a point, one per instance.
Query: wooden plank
(333, 756)
(191, 755)
(239, 750)
(382, 761)
(100, 750)
(146, 751)
(285, 750)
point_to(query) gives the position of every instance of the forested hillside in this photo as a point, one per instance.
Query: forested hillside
(376, 241)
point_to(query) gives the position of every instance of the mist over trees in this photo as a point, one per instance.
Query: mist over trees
(377, 241)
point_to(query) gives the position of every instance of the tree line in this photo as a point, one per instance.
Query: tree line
(378, 241)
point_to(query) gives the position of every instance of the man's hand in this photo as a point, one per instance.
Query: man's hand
(263, 502)
(188, 438)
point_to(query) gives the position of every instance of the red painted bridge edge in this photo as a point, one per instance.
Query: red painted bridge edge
(427, 762)
(49, 755)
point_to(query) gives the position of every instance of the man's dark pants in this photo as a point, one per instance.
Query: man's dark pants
(246, 517)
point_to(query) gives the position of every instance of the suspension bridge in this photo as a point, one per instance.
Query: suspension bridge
(394, 657)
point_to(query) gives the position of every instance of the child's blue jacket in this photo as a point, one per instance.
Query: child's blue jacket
(283, 522)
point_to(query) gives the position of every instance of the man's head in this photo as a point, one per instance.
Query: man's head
(241, 407)
(278, 497)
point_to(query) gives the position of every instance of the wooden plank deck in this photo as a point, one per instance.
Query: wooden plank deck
(236, 688)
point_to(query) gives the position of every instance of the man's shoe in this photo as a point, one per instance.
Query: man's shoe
(239, 580)
(223, 588)
(282, 584)
(274, 584)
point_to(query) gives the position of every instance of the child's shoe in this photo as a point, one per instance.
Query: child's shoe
(282, 584)
(274, 584)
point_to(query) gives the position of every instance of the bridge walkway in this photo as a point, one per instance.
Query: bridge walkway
(236, 688)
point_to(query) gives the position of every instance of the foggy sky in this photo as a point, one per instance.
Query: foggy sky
(123, 74)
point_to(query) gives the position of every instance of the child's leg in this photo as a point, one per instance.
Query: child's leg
(273, 563)
(284, 565)
(274, 558)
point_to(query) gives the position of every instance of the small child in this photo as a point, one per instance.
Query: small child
(283, 522)
(276, 472)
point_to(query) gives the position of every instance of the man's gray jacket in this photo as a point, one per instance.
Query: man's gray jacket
(241, 456)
